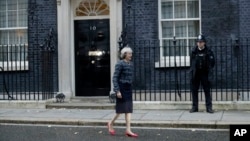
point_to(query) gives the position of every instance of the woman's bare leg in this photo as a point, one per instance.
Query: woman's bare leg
(113, 121)
(128, 122)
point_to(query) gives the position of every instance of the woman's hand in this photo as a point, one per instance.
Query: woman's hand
(119, 95)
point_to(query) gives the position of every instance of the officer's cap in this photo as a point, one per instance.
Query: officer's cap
(201, 38)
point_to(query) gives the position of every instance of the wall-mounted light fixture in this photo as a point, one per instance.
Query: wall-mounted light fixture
(236, 43)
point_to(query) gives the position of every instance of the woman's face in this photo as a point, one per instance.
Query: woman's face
(128, 56)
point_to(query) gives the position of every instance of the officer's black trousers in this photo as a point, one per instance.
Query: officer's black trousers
(201, 77)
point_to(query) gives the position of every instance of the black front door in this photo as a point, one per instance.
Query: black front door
(92, 57)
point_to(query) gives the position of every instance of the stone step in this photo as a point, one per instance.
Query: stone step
(83, 103)
(139, 105)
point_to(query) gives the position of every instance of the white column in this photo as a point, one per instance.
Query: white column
(115, 31)
(64, 48)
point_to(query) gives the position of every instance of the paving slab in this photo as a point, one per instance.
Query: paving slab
(201, 116)
(143, 118)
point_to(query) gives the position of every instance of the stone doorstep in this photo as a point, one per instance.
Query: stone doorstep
(12, 104)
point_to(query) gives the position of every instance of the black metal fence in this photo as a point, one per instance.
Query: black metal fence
(26, 74)
(162, 73)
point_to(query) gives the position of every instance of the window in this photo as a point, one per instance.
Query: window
(90, 8)
(179, 19)
(13, 34)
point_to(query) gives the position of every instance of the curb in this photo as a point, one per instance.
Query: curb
(155, 124)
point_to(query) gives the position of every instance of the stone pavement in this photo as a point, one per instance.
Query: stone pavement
(221, 119)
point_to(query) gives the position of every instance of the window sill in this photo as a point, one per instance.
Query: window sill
(169, 62)
(14, 66)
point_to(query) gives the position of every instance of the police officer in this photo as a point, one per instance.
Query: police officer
(202, 62)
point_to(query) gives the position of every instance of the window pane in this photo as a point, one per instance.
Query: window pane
(168, 48)
(193, 28)
(23, 53)
(180, 49)
(13, 52)
(13, 13)
(12, 19)
(12, 4)
(180, 9)
(3, 45)
(13, 37)
(17, 52)
(23, 36)
(2, 19)
(192, 43)
(3, 53)
(193, 9)
(181, 29)
(22, 4)
(23, 18)
(167, 10)
(2, 5)
(181, 26)
(167, 29)
(3, 37)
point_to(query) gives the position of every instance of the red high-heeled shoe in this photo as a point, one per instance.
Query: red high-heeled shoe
(131, 135)
(111, 132)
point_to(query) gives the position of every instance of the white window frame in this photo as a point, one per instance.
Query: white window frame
(76, 4)
(174, 61)
(14, 65)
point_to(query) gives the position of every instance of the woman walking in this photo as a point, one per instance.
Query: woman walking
(122, 81)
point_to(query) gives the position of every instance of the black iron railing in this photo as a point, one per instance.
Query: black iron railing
(159, 75)
(162, 73)
(26, 74)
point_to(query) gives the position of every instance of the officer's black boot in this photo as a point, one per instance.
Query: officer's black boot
(209, 103)
(193, 110)
(210, 110)
(195, 103)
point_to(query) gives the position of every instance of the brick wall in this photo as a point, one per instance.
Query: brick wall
(42, 16)
(41, 20)
(220, 20)
(142, 20)
(244, 18)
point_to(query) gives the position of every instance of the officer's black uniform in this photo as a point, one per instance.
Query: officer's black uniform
(202, 62)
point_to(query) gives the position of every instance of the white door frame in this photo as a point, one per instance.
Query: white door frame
(66, 55)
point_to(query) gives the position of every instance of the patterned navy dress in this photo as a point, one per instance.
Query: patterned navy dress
(122, 81)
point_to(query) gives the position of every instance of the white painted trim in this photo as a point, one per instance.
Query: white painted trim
(91, 17)
(159, 22)
(168, 62)
(200, 16)
(15, 65)
(115, 32)
(64, 48)
(13, 28)
(72, 47)
(181, 61)
(180, 19)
